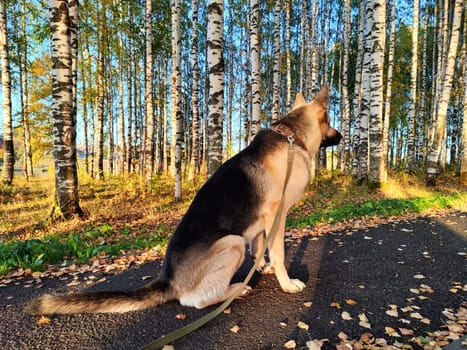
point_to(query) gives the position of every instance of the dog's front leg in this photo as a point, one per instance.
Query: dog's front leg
(256, 248)
(277, 259)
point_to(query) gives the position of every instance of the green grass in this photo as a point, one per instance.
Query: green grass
(380, 207)
(80, 247)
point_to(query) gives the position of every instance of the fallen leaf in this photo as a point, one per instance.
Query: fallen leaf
(342, 336)
(362, 317)
(302, 325)
(453, 290)
(228, 311)
(392, 313)
(291, 344)
(315, 344)
(391, 332)
(366, 338)
(350, 301)
(346, 316)
(416, 315)
(235, 329)
(180, 316)
(455, 327)
(307, 303)
(407, 309)
(146, 277)
(336, 305)
(364, 324)
(405, 331)
(419, 276)
(168, 347)
(425, 320)
(43, 320)
(414, 290)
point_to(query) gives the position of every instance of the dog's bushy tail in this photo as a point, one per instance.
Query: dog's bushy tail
(153, 294)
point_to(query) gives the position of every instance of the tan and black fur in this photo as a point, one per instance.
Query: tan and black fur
(233, 208)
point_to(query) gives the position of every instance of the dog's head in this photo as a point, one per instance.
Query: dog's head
(316, 116)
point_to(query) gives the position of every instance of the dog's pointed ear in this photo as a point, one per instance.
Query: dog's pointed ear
(322, 97)
(299, 101)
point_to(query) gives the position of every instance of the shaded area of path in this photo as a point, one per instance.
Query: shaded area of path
(373, 267)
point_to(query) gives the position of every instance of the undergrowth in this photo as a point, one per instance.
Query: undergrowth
(128, 215)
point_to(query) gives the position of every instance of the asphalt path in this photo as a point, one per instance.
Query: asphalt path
(370, 268)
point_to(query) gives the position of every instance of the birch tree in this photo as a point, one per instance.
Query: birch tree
(345, 114)
(195, 150)
(387, 103)
(215, 60)
(357, 97)
(177, 133)
(413, 91)
(255, 69)
(148, 96)
(444, 94)
(8, 153)
(24, 94)
(363, 150)
(378, 172)
(277, 62)
(463, 148)
(63, 23)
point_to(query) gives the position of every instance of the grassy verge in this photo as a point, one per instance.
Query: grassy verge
(125, 215)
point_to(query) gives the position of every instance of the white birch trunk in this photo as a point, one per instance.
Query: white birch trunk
(255, 69)
(288, 102)
(363, 149)
(8, 153)
(413, 91)
(176, 116)
(195, 149)
(358, 90)
(445, 91)
(463, 149)
(387, 103)
(345, 114)
(215, 60)
(63, 111)
(148, 96)
(378, 171)
(277, 62)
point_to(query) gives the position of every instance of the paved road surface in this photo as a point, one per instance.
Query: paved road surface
(374, 267)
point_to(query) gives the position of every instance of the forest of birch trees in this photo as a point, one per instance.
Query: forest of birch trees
(116, 87)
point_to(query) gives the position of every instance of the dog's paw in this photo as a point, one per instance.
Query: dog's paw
(294, 286)
(266, 269)
(245, 292)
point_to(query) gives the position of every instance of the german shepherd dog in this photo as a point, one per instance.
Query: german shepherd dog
(236, 206)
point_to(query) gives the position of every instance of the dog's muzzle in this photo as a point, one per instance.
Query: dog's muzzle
(332, 138)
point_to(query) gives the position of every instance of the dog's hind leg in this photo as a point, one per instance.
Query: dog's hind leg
(214, 272)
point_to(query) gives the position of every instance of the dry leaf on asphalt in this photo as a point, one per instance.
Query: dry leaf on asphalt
(350, 301)
(302, 325)
(346, 316)
(336, 305)
(43, 320)
(235, 329)
(291, 344)
(391, 332)
(315, 344)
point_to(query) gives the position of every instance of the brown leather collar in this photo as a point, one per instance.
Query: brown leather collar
(287, 132)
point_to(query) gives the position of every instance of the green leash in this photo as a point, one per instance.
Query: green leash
(185, 330)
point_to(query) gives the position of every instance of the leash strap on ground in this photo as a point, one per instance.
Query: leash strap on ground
(181, 332)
